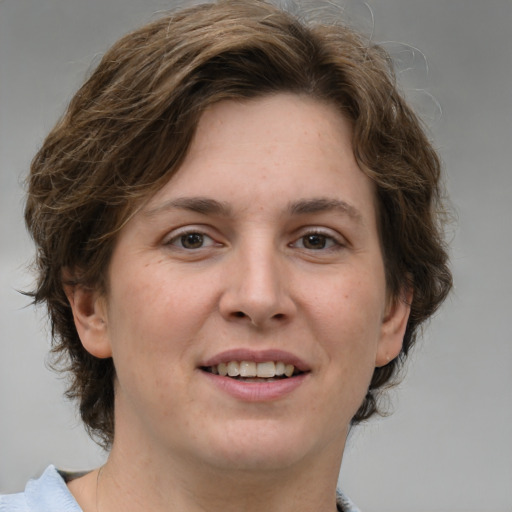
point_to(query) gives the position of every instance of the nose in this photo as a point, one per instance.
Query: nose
(257, 289)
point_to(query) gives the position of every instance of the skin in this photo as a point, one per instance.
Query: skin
(292, 261)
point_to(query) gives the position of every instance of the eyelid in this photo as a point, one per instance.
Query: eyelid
(177, 233)
(339, 240)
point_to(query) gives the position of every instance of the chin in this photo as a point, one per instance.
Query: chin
(256, 460)
(262, 446)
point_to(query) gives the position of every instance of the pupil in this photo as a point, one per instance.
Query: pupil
(192, 240)
(314, 241)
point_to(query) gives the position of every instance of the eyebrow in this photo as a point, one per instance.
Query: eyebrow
(324, 204)
(208, 206)
(202, 205)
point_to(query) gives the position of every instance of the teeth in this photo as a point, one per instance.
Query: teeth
(279, 368)
(222, 369)
(288, 370)
(250, 369)
(233, 369)
(247, 369)
(267, 370)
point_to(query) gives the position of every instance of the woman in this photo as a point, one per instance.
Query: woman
(237, 234)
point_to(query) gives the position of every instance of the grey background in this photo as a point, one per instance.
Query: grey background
(448, 446)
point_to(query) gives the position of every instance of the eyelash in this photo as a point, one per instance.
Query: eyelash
(335, 242)
(177, 240)
(330, 242)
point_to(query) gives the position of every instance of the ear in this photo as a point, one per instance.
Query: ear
(393, 327)
(90, 316)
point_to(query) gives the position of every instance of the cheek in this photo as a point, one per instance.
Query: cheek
(154, 317)
(149, 328)
(351, 305)
(347, 320)
(153, 299)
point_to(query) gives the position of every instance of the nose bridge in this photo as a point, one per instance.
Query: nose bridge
(260, 279)
(257, 288)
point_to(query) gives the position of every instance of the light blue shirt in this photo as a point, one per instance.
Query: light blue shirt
(49, 493)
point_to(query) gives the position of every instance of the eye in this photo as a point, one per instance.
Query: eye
(191, 240)
(316, 241)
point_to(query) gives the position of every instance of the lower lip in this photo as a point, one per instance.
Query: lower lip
(256, 391)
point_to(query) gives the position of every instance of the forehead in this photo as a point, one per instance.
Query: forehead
(283, 150)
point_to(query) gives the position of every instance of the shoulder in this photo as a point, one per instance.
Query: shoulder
(48, 493)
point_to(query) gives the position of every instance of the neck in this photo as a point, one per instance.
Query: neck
(148, 469)
(124, 488)
(133, 482)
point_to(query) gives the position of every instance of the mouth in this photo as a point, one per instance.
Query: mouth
(251, 371)
(256, 375)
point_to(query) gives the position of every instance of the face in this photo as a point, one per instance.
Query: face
(259, 257)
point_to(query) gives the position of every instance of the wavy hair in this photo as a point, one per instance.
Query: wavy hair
(128, 128)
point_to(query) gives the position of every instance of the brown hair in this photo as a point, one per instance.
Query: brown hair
(128, 128)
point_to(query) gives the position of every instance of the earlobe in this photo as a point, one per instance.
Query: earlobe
(393, 328)
(90, 316)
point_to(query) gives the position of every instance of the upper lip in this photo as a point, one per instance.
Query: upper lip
(257, 356)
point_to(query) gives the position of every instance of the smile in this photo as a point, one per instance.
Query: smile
(245, 370)
(256, 375)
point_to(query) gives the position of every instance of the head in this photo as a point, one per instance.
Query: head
(129, 128)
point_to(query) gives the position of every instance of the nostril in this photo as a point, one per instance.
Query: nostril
(241, 314)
